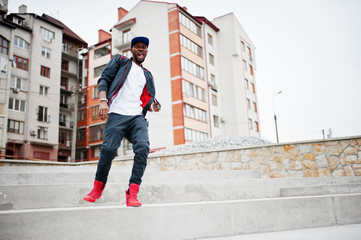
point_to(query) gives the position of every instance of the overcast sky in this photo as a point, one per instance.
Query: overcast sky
(308, 49)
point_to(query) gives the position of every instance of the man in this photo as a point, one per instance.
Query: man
(126, 93)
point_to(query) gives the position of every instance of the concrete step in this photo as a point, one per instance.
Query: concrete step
(120, 175)
(314, 190)
(181, 220)
(71, 195)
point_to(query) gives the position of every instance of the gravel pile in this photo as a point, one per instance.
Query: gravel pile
(216, 143)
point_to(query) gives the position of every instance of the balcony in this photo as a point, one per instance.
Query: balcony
(70, 54)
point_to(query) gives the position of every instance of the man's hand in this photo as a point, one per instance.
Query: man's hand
(103, 106)
(103, 110)
(155, 106)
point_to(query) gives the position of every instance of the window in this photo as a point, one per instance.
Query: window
(102, 52)
(45, 52)
(64, 65)
(65, 48)
(213, 78)
(253, 88)
(216, 121)
(21, 63)
(257, 126)
(191, 90)
(210, 39)
(195, 113)
(214, 100)
(247, 85)
(65, 137)
(243, 46)
(17, 20)
(43, 114)
(192, 68)
(190, 45)
(194, 135)
(15, 126)
(244, 65)
(43, 133)
(98, 71)
(17, 105)
(250, 125)
(64, 82)
(62, 119)
(81, 115)
(211, 59)
(45, 71)
(95, 112)
(127, 36)
(185, 21)
(43, 90)
(4, 45)
(18, 83)
(81, 134)
(250, 53)
(248, 103)
(96, 133)
(21, 43)
(255, 106)
(95, 92)
(63, 101)
(251, 69)
(47, 34)
(127, 53)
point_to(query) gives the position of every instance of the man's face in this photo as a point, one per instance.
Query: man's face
(139, 51)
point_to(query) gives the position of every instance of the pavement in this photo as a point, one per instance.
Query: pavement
(349, 232)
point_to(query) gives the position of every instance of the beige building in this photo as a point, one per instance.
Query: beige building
(33, 93)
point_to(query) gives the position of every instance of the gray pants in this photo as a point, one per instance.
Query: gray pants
(135, 129)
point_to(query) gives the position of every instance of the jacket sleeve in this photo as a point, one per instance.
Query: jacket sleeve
(109, 73)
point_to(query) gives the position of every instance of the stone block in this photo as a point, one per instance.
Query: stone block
(309, 173)
(349, 171)
(351, 159)
(323, 172)
(319, 148)
(331, 143)
(334, 150)
(295, 165)
(338, 173)
(305, 148)
(308, 156)
(333, 162)
(307, 164)
(345, 143)
(350, 151)
(321, 161)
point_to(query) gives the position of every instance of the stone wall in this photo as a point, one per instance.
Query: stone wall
(329, 158)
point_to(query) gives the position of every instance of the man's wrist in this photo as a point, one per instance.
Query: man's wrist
(103, 99)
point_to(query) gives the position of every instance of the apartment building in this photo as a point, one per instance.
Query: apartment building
(90, 126)
(71, 72)
(34, 52)
(204, 72)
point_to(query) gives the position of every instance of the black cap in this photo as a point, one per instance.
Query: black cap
(139, 39)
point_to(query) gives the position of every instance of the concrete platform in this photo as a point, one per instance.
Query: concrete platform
(337, 232)
(181, 221)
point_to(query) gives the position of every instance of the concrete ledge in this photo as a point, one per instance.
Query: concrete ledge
(321, 190)
(181, 221)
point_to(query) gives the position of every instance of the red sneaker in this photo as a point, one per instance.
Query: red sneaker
(96, 192)
(131, 196)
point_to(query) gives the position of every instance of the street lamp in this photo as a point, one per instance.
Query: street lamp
(274, 114)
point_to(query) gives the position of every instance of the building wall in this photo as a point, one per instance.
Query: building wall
(327, 158)
(52, 100)
(233, 74)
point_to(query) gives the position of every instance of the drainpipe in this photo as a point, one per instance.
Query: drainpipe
(206, 76)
